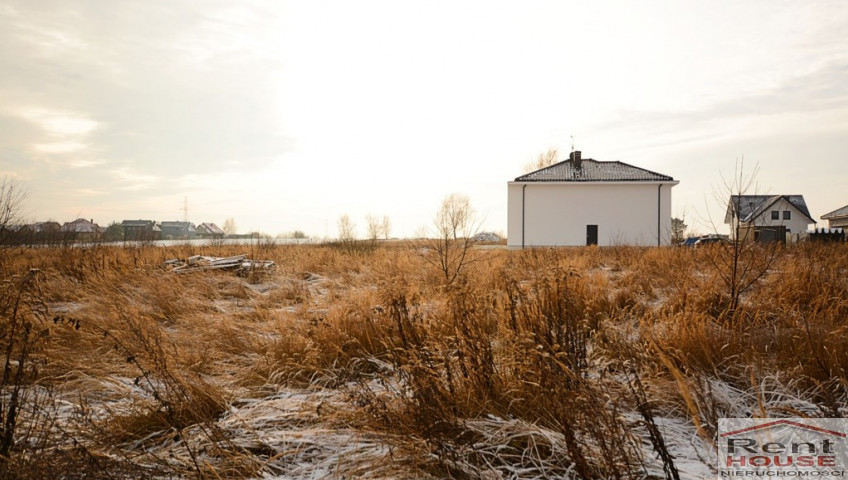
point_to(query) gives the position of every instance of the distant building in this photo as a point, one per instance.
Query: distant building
(209, 230)
(837, 218)
(589, 202)
(46, 227)
(82, 230)
(177, 230)
(48, 232)
(39, 233)
(140, 230)
(767, 218)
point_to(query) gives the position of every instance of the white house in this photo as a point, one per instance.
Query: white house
(767, 217)
(589, 202)
(837, 218)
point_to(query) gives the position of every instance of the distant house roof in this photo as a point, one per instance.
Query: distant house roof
(182, 225)
(838, 213)
(81, 225)
(137, 223)
(48, 226)
(210, 228)
(749, 207)
(593, 171)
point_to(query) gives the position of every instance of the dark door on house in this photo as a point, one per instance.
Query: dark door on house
(591, 234)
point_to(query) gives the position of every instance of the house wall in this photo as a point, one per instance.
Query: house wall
(796, 224)
(177, 230)
(838, 222)
(137, 233)
(557, 213)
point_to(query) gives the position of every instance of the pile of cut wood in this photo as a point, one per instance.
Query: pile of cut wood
(240, 263)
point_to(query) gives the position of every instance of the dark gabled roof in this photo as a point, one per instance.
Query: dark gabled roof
(838, 213)
(137, 223)
(593, 171)
(177, 224)
(749, 207)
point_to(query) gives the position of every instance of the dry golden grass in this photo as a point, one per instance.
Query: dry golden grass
(544, 361)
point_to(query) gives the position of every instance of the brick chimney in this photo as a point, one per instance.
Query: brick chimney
(575, 159)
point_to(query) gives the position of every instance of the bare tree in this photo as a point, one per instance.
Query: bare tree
(386, 227)
(12, 197)
(543, 160)
(347, 234)
(373, 226)
(377, 228)
(230, 226)
(347, 229)
(741, 262)
(450, 247)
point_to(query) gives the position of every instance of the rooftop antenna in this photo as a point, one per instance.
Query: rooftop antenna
(185, 209)
(572, 144)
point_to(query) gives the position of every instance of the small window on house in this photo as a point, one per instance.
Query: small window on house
(787, 215)
(775, 215)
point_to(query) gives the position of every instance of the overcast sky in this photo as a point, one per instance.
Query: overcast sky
(286, 115)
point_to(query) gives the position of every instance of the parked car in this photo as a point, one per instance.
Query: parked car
(689, 242)
(711, 239)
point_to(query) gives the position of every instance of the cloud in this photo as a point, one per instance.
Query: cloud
(131, 180)
(44, 38)
(84, 163)
(58, 133)
(180, 88)
(58, 123)
(822, 93)
(60, 147)
(88, 192)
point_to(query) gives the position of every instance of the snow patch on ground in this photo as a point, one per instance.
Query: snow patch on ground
(287, 430)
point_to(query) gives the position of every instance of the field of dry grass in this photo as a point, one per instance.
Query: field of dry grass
(364, 363)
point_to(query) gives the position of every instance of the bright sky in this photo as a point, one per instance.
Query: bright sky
(285, 115)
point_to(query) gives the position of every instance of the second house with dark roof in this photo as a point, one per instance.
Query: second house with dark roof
(767, 218)
(589, 202)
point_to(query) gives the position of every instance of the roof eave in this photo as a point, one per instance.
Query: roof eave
(671, 182)
(834, 215)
